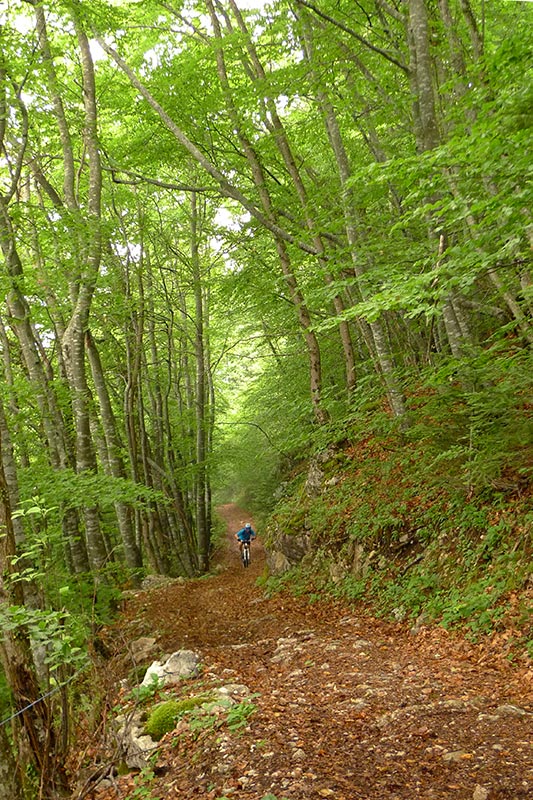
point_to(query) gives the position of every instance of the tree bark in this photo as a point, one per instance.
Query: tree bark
(34, 731)
(381, 346)
(203, 532)
(273, 122)
(73, 344)
(113, 447)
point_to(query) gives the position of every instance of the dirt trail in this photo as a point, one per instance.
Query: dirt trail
(349, 707)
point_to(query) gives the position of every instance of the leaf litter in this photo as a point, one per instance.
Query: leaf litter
(345, 705)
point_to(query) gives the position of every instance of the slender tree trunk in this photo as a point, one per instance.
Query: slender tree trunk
(296, 296)
(52, 420)
(21, 324)
(476, 37)
(203, 532)
(226, 188)
(10, 783)
(428, 137)
(268, 219)
(114, 448)
(421, 72)
(380, 342)
(69, 169)
(273, 122)
(73, 344)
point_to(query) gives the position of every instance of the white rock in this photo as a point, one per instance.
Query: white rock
(181, 664)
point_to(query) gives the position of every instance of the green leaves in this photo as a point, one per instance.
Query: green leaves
(56, 632)
(68, 489)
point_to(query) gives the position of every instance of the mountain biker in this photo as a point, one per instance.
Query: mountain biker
(245, 534)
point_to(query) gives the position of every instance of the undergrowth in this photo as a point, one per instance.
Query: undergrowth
(395, 528)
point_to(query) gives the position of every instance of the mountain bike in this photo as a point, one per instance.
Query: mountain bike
(245, 554)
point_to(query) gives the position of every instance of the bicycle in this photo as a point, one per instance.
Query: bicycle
(246, 554)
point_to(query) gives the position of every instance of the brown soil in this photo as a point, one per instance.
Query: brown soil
(348, 706)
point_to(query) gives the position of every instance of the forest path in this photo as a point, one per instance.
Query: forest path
(349, 706)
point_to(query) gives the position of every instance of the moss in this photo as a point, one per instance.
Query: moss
(164, 716)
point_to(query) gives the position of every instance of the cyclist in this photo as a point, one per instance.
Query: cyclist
(245, 534)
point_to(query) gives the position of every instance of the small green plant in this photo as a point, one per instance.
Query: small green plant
(350, 588)
(57, 632)
(143, 693)
(238, 715)
(142, 781)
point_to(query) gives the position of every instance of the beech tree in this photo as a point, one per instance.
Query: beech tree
(224, 234)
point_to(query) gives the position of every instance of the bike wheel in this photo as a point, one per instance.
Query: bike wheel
(245, 556)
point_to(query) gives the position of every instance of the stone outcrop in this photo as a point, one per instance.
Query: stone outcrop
(287, 551)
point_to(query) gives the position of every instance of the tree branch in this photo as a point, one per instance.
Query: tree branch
(135, 178)
(227, 189)
(355, 35)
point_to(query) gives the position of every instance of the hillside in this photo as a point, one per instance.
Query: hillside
(382, 520)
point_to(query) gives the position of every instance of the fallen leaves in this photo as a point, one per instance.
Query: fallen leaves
(349, 707)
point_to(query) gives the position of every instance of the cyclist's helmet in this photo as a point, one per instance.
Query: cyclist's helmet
(247, 526)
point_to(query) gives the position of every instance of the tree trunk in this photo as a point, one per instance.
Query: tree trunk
(203, 532)
(10, 783)
(427, 134)
(73, 344)
(113, 448)
(34, 732)
(273, 122)
(379, 337)
(258, 176)
(421, 73)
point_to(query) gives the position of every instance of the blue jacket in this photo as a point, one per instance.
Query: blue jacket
(245, 534)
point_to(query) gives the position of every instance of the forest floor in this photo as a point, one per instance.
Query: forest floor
(347, 706)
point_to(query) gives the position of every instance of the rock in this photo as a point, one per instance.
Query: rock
(278, 563)
(456, 755)
(232, 689)
(134, 747)
(315, 479)
(359, 560)
(299, 755)
(361, 644)
(156, 581)
(399, 613)
(287, 550)
(338, 571)
(142, 648)
(181, 664)
(420, 621)
(480, 793)
(513, 710)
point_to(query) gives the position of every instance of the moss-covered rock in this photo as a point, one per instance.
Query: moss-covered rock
(164, 716)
